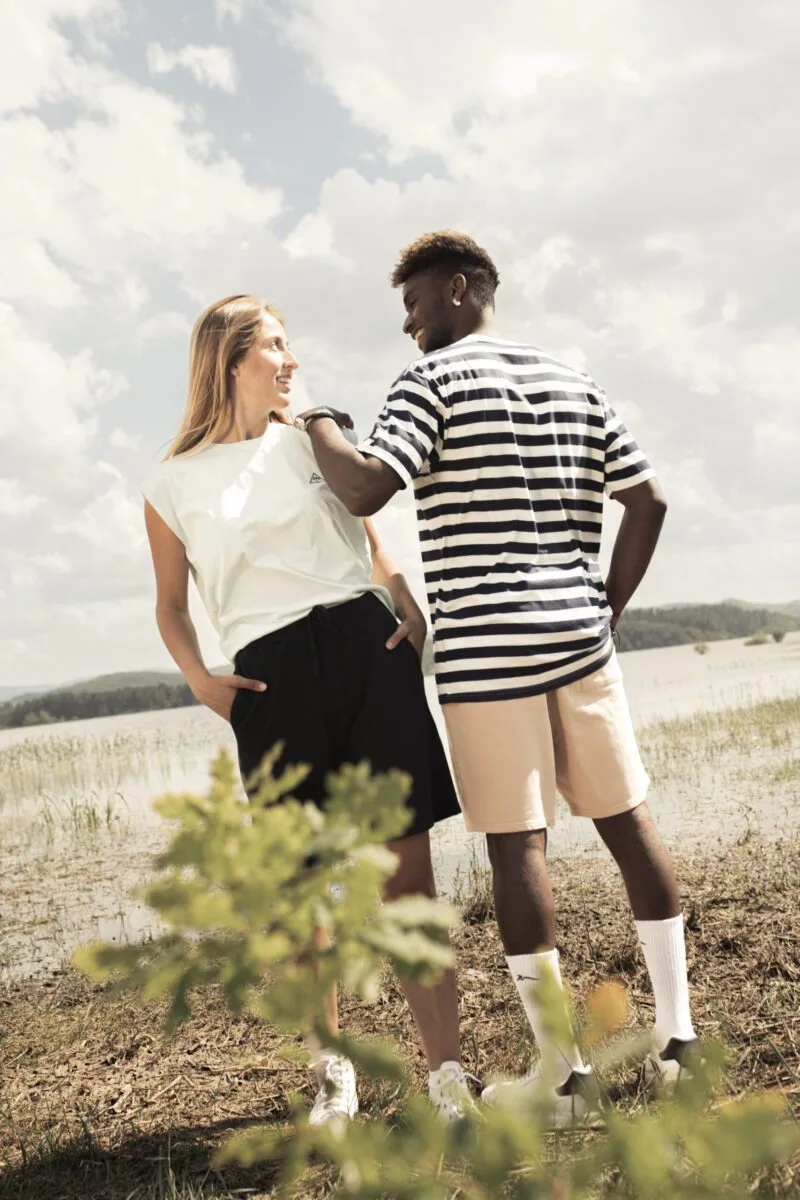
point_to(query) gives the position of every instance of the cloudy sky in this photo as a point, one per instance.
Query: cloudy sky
(629, 166)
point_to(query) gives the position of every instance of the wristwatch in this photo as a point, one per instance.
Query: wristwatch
(315, 416)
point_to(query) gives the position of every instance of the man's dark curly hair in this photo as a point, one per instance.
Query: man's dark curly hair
(450, 251)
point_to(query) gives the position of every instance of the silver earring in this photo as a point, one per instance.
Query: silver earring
(456, 302)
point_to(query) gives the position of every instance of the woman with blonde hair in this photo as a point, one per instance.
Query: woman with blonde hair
(306, 603)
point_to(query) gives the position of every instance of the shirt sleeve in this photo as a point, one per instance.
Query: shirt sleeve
(156, 491)
(625, 464)
(410, 427)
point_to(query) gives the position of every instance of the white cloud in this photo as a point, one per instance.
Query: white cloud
(15, 500)
(48, 402)
(168, 324)
(36, 57)
(312, 237)
(131, 184)
(233, 9)
(212, 65)
(120, 439)
(72, 526)
(111, 520)
(519, 72)
(418, 91)
(134, 293)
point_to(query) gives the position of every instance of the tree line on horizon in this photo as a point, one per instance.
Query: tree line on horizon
(641, 629)
(649, 628)
(53, 707)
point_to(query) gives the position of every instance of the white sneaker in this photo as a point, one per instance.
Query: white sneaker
(669, 1064)
(573, 1102)
(337, 1099)
(449, 1093)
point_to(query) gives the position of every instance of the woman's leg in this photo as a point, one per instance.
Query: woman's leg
(330, 1004)
(435, 1009)
(337, 1098)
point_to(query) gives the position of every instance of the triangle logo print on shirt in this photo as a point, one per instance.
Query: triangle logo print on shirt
(315, 478)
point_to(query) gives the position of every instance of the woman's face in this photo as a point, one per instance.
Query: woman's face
(264, 375)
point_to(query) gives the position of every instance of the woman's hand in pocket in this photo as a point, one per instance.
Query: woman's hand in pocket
(218, 692)
(414, 629)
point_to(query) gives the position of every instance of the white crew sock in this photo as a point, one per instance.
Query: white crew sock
(664, 950)
(526, 970)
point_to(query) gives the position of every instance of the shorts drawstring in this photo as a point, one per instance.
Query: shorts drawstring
(318, 623)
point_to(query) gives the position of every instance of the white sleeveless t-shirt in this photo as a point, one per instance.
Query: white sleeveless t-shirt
(265, 537)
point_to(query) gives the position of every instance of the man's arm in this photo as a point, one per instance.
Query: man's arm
(363, 484)
(645, 509)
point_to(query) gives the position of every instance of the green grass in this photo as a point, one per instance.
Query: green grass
(78, 816)
(65, 762)
(753, 731)
(788, 772)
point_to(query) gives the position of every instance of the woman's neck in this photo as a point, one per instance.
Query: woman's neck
(246, 429)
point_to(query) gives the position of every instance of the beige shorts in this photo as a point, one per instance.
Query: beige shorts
(511, 756)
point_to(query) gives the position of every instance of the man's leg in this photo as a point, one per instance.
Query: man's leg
(525, 912)
(601, 775)
(523, 897)
(649, 878)
(503, 758)
(644, 862)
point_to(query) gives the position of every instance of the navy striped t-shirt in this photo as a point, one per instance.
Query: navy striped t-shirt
(510, 453)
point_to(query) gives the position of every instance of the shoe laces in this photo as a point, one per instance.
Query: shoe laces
(448, 1077)
(336, 1070)
(450, 1090)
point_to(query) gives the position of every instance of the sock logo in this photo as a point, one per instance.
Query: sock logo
(315, 478)
(526, 978)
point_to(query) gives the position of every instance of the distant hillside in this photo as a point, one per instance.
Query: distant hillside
(105, 683)
(15, 693)
(791, 609)
(102, 696)
(677, 625)
(124, 679)
(77, 705)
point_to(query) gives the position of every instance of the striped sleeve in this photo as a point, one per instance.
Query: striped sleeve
(625, 464)
(407, 431)
(156, 491)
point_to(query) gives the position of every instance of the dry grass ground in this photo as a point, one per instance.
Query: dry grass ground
(96, 1102)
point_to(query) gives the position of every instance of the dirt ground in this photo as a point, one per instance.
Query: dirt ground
(95, 1101)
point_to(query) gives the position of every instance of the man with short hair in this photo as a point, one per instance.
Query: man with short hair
(509, 452)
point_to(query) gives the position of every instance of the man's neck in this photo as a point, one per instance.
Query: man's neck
(483, 323)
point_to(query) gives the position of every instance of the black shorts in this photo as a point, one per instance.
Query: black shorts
(336, 695)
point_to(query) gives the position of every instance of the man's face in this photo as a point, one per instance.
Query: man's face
(430, 315)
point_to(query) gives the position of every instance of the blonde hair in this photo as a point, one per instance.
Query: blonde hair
(221, 337)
